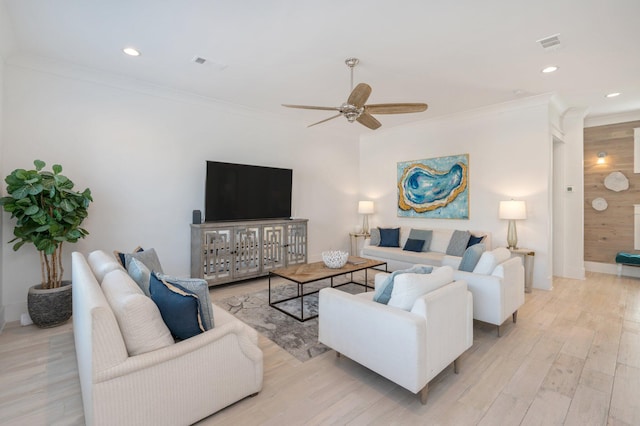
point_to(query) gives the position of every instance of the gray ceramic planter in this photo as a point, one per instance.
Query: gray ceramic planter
(49, 307)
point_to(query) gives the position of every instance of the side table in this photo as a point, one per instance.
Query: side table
(353, 246)
(527, 259)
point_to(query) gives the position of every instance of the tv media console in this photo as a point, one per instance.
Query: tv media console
(223, 252)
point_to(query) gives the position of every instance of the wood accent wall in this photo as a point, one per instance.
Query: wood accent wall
(609, 231)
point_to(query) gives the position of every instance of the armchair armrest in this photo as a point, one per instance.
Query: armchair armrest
(201, 341)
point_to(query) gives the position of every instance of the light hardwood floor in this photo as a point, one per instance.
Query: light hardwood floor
(573, 358)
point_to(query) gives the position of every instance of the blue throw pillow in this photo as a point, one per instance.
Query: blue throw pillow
(121, 256)
(413, 245)
(473, 240)
(471, 257)
(389, 237)
(383, 291)
(200, 288)
(422, 234)
(180, 308)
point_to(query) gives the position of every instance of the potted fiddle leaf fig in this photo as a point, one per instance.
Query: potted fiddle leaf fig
(48, 213)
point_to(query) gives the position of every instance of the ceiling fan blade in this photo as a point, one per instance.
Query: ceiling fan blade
(312, 107)
(326, 119)
(367, 120)
(395, 108)
(359, 95)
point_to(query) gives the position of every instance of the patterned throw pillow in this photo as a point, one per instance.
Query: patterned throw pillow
(375, 237)
(458, 243)
(180, 308)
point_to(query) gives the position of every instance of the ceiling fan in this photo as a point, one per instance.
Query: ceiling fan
(356, 109)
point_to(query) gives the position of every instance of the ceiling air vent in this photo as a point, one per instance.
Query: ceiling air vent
(204, 61)
(551, 42)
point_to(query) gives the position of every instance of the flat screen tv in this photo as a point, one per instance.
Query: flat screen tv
(244, 192)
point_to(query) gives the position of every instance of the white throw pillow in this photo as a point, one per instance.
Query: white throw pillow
(490, 259)
(139, 319)
(408, 287)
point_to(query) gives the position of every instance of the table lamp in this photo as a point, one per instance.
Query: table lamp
(512, 210)
(365, 208)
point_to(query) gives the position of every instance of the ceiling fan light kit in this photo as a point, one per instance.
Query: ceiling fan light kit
(356, 109)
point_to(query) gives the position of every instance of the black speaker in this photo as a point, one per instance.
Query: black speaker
(197, 217)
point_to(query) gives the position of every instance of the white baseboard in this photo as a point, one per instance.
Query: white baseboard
(14, 311)
(612, 268)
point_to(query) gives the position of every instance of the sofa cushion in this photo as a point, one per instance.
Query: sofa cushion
(142, 327)
(471, 257)
(389, 237)
(408, 287)
(383, 291)
(440, 240)
(413, 245)
(490, 259)
(458, 243)
(148, 257)
(101, 264)
(390, 253)
(374, 237)
(201, 289)
(422, 234)
(180, 308)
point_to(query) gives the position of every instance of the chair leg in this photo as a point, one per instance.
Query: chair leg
(515, 316)
(424, 393)
(499, 332)
(456, 366)
(338, 355)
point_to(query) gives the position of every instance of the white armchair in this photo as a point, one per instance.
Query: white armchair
(498, 295)
(407, 347)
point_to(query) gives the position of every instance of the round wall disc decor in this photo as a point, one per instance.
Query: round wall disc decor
(616, 181)
(599, 204)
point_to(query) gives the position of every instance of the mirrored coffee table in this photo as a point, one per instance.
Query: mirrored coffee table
(318, 271)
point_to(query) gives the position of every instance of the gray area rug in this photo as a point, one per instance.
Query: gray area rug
(300, 339)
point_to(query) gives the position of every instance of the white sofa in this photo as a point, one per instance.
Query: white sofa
(498, 289)
(398, 259)
(407, 347)
(178, 384)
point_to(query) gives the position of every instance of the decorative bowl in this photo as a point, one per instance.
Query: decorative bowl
(335, 259)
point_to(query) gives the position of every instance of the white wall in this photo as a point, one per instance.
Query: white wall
(142, 151)
(6, 45)
(509, 147)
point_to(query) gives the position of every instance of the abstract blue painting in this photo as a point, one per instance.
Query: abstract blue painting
(434, 188)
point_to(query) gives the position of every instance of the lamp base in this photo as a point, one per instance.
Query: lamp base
(512, 235)
(365, 224)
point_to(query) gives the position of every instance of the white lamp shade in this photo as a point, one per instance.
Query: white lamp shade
(365, 207)
(513, 210)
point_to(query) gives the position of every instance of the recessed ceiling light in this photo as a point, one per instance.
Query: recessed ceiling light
(612, 95)
(550, 69)
(131, 51)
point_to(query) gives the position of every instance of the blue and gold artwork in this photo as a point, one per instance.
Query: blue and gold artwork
(434, 188)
